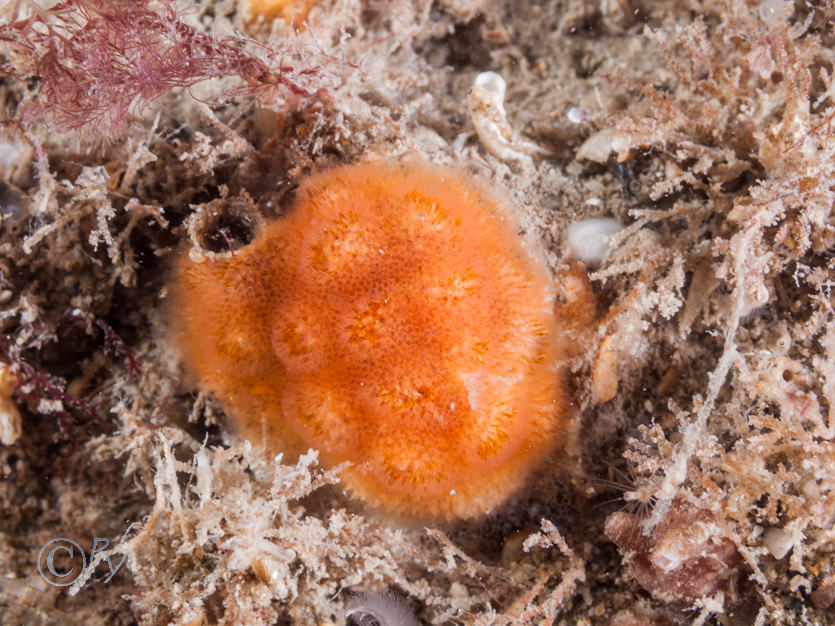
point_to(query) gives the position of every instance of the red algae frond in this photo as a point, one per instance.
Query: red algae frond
(393, 319)
(99, 63)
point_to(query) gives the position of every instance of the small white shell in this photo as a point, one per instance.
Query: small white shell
(775, 13)
(578, 115)
(492, 84)
(587, 240)
(778, 541)
(598, 146)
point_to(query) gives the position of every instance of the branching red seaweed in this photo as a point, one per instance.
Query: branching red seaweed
(101, 61)
(113, 343)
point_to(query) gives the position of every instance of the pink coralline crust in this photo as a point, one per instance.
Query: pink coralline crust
(684, 558)
(393, 319)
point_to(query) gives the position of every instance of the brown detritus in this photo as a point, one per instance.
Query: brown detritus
(639, 615)
(113, 343)
(684, 558)
(45, 393)
(34, 385)
(824, 596)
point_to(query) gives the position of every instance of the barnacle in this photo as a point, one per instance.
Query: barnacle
(392, 319)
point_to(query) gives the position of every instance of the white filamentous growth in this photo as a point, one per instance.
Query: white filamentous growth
(379, 609)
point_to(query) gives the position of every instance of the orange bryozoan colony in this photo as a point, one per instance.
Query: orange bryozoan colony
(393, 319)
(294, 12)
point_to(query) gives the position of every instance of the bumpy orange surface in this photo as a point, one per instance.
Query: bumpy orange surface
(393, 319)
(293, 11)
